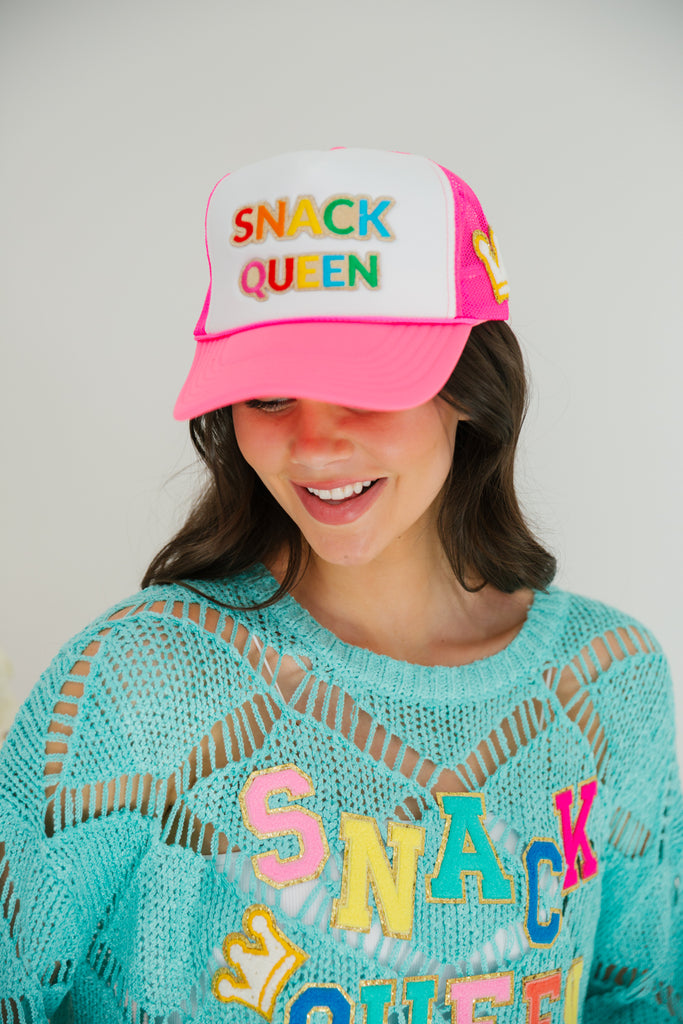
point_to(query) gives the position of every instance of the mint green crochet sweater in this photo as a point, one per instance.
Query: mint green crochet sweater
(230, 816)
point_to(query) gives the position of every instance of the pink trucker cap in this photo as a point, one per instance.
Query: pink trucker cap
(350, 276)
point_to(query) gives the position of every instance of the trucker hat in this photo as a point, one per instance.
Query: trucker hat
(349, 276)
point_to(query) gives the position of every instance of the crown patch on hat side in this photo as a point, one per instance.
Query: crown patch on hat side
(486, 249)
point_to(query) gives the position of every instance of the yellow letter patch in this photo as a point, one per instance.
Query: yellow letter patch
(366, 864)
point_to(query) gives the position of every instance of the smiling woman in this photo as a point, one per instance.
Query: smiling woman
(441, 478)
(348, 735)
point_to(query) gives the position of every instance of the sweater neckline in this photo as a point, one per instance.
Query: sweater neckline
(528, 650)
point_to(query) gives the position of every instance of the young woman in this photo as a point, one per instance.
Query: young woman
(348, 755)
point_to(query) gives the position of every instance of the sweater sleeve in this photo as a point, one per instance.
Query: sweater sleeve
(56, 877)
(637, 970)
(42, 935)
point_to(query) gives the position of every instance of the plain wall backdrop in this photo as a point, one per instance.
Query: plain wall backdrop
(119, 118)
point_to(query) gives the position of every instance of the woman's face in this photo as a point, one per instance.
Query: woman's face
(317, 461)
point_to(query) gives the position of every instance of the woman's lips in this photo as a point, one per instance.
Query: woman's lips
(335, 513)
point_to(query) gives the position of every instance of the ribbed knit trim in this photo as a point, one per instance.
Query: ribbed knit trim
(532, 646)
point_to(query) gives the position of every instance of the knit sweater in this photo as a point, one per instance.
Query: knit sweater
(217, 815)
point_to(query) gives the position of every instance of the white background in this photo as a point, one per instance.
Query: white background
(118, 118)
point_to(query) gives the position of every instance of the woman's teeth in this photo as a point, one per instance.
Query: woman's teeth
(339, 493)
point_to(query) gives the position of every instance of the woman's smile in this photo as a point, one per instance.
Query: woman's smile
(340, 503)
(356, 482)
(339, 492)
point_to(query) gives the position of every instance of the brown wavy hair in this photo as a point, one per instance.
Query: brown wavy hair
(236, 523)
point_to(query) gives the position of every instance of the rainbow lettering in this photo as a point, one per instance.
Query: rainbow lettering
(308, 271)
(463, 995)
(379, 877)
(341, 215)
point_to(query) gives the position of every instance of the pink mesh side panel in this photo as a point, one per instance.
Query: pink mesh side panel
(474, 293)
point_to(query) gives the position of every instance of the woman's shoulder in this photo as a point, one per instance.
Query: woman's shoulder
(166, 615)
(180, 599)
(147, 653)
(588, 621)
(145, 616)
(609, 670)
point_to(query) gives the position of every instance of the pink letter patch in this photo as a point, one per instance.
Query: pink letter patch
(574, 839)
(266, 823)
(465, 993)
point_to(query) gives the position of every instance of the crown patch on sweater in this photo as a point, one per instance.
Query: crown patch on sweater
(259, 965)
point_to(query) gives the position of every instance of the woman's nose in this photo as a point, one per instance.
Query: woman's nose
(318, 435)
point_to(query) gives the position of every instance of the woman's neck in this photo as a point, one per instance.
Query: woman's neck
(410, 609)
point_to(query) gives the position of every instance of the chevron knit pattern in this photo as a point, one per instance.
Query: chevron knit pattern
(216, 815)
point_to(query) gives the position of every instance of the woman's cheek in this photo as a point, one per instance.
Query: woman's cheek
(253, 438)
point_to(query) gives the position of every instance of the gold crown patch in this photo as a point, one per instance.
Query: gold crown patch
(260, 963)
(487, 251)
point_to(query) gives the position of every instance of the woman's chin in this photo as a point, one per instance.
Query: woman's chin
(343, 555)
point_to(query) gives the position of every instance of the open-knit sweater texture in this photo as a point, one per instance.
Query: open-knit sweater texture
(219, 815)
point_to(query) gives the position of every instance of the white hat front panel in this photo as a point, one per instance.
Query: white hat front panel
(344, 233)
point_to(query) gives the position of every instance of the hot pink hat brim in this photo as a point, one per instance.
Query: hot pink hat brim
(378, 365)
